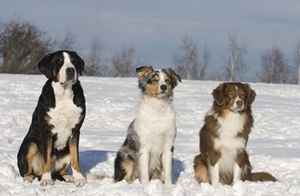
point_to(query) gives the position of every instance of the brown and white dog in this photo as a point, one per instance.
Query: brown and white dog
(224, 136)
(51, 144)
(148, 149)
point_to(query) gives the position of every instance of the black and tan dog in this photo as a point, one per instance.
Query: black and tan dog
(51, 143)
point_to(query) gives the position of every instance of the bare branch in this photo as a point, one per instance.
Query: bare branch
(236, 62)
(22, 45)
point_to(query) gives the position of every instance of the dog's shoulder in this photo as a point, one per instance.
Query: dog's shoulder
(79, 98)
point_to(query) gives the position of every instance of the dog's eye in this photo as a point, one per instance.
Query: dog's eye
(59, 61)
(73, 61)
(154, 80)
(242, 96)
(231, 94)
(167, 81)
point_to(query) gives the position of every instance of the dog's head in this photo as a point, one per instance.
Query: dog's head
(157, 83)
(62, 66)
(234, 96)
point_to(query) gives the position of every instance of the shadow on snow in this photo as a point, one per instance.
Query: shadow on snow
(89, 159)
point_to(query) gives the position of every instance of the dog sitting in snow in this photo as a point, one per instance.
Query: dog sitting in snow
(148, 149)
(51, 143)
(224, 136)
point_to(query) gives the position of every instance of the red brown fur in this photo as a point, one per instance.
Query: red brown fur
(224, 137)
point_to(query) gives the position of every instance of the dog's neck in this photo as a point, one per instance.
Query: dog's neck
(62, 89)
(157, 101)
(153, 105)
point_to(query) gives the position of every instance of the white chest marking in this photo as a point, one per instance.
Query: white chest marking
(228, 142)
(155, 124)
(65, 115)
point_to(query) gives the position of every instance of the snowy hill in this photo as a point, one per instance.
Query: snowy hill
(274, 144)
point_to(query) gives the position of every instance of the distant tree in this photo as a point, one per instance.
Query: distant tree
(186, 61)
(235, 62)
(275, 68)
(22, 45)
(297, 60)
(123, 62)
(95, 65)
(205, 62)
(67, 43)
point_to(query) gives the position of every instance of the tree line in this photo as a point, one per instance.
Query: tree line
(23, 44)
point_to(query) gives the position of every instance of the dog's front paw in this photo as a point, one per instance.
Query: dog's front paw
(29, 178)
(145, 181)
(46, 179)
(80, 182)
(167, 185)
(215, 184)
(68, 178)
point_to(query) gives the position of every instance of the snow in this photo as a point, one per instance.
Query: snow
(273, 146)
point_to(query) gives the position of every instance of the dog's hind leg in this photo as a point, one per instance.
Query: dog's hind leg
(25, 158)
(124, 169)
(200, 169)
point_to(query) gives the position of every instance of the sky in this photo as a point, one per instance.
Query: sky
(155, 28)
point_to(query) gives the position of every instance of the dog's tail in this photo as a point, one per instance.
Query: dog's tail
(95, 177)
(257, 176)
(260, 176)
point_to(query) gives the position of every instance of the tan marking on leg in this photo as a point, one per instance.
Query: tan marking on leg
(47, 165)
(29, 176)
(130, 174)
(73, 145)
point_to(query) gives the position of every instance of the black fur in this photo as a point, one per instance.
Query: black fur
(40, 131)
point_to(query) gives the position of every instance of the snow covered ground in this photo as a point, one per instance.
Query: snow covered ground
(274, 144)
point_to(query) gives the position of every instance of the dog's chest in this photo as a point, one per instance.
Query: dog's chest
(155, 124)
(63, 117)
(230, 126)
(228, 141)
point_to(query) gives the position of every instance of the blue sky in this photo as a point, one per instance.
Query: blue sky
(155, 28)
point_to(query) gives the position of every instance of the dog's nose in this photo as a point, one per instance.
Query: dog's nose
(70, 70)
(239, 103)
(70, 73)
(163, 87)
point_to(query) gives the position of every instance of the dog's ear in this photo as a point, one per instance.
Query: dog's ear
(44, 65)
(218, 94)
(174, 77)
(79, 64)
(250, 94)
(144, 71)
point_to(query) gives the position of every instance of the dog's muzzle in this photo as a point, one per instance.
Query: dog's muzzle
(70, 73)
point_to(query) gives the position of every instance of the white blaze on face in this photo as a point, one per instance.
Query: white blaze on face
(235, 107)
(161, 79)
(63, 70)
(160, 83)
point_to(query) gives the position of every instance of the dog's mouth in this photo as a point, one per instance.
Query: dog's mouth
(237, 109)
(68, 81)
(161, 93)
